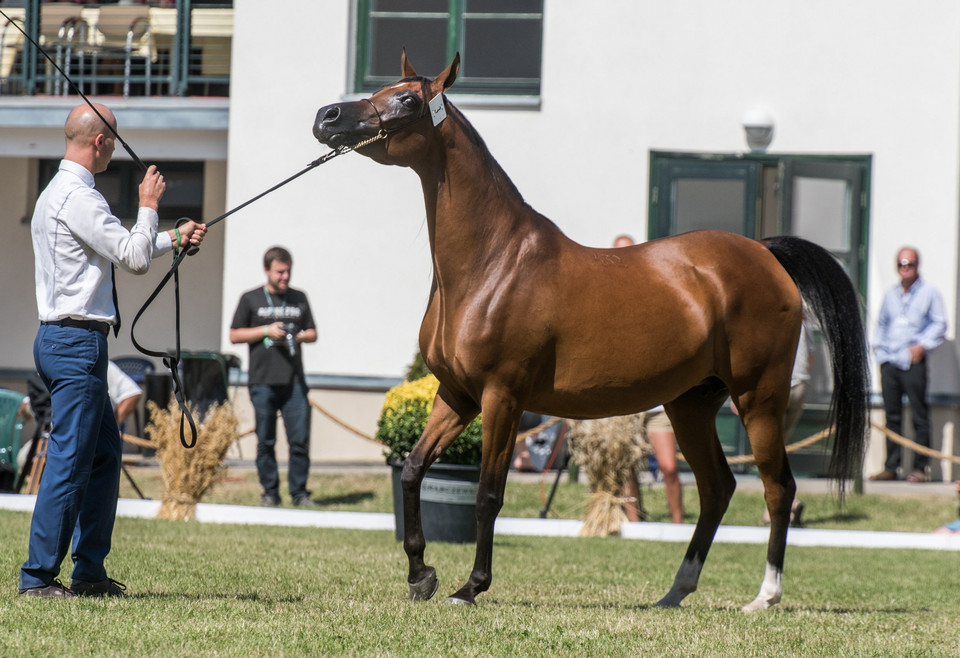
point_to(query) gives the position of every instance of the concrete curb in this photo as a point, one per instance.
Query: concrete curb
(669, 532)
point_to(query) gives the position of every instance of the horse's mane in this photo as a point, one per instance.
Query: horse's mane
(503, 183)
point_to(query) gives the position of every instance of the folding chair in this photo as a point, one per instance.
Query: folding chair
(10, 427)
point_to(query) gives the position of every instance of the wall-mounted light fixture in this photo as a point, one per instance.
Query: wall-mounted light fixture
(758, 126)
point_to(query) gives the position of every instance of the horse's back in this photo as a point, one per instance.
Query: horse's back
(640, 325)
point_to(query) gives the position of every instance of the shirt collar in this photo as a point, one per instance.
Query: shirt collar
(78, 170)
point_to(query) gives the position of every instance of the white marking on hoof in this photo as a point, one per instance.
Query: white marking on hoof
(455, 601)
(684, 584)
(771, 590)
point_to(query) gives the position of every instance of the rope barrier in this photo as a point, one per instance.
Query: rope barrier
(793, 447)
(912, 445)
(350, 428)
(343, 424)
(740, 459)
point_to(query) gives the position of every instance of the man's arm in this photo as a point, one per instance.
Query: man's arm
(126, 407)
(274, 331)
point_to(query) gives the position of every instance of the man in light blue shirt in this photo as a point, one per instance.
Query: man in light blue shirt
(912, 322)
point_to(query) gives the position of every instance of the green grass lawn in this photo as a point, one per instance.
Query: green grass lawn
(231, 590)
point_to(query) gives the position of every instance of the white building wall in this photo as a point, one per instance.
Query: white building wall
(620, 78)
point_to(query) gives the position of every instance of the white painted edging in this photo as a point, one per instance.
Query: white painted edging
(669, 532)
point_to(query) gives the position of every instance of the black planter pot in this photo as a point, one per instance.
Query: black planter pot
(448, 502)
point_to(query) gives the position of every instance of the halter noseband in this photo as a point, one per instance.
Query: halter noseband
(424, 112)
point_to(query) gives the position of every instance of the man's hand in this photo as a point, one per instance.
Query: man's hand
(917, 352)
(191, 232)
(152, 188)
(276, 331)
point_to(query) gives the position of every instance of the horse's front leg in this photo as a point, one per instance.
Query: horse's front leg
(501, 418)
(443, 427)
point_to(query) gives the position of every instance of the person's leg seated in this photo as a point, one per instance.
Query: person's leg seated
(296, 421)
(263, 399)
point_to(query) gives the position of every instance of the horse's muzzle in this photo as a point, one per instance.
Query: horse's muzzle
(340, 124)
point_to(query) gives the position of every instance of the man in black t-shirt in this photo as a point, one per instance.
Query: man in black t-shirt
(275, 320)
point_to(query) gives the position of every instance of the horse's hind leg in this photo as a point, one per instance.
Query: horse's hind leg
(765, 431)
(501, 417)
(443, 427)
(693, 416)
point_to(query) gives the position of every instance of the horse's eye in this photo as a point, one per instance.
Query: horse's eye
(409, 102)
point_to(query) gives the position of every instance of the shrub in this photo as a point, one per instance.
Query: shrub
(405, 412)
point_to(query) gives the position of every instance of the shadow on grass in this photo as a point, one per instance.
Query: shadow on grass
(253, 597)
(640, 607)
(838, 517)
(346, 499)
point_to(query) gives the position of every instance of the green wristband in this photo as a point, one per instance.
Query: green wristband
(177, 231)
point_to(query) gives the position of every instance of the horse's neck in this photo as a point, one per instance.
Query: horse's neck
(474, 212)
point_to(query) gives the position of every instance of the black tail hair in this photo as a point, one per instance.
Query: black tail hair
(829, 293)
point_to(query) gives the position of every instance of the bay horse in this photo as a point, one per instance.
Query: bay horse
(522, 317)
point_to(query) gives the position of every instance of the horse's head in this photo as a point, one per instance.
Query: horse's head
(401, 111)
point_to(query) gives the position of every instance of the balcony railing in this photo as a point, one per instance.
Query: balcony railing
(164, 48)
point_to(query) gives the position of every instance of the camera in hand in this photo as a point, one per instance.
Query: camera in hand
(291, 339)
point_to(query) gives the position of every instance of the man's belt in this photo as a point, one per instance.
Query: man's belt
(92, 325)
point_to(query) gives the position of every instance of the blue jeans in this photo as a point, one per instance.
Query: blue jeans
(78, 492)
(292, 403)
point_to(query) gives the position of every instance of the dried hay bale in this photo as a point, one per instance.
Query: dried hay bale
(188, 473)
(608, 451)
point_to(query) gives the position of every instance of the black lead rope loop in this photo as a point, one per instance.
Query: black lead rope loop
(172, 360)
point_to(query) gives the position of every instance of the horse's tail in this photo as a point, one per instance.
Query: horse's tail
(829, 293)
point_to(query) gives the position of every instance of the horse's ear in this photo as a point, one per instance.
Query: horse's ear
(450, 75)
(406, 68)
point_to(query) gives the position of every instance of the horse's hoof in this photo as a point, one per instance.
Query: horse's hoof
(667, 602)
(759, 604)
(453, 600)
(425, 588)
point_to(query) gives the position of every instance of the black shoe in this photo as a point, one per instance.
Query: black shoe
(55, 590)
(269, 500)
(105, 587)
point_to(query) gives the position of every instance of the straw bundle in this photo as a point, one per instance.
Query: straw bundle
(188, 473)
(608, 450)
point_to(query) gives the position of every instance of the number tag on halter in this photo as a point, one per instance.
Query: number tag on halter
(437, 111)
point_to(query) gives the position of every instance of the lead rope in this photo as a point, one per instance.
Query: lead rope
(172, 359)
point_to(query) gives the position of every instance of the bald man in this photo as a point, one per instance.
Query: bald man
(76, 243)
(912, 321)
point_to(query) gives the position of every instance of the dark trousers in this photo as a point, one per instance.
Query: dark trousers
(913, 383)
(292, 403)
(77, 499)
